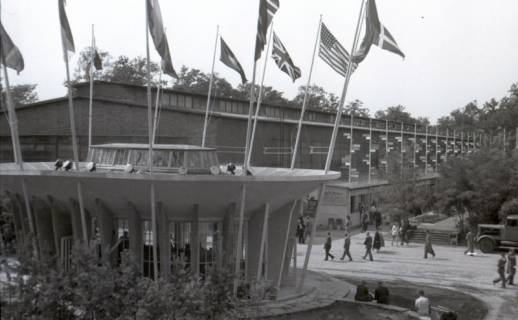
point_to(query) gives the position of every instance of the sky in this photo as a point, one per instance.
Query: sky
(456, 51)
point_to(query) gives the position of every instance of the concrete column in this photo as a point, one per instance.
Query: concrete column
(61, 223)
(75, 215)
(135, 234)
(163, 241)
(106, 226)
(254, 242)
(43, 220)
(18, 220)
(228, 235)
(195, 242)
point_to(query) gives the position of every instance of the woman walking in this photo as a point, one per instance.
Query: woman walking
(395, 234)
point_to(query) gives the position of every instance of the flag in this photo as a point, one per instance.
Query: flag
(98, 63)
(283, 60)
(228, 58)
(377, 34)
(9, 53)
(66, 33)
(267, 9)
(332, 52)
(156, 28)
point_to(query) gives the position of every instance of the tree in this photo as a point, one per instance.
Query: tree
(395, 113)
(193, 80)
(317, 98)
(357, 109)
(80, 73)
(21, 94)
(270, 95)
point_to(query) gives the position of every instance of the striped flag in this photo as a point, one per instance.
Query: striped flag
(156, 29)
(66, 33)
(332, 52)
(283, 60)
(11, 57)
(267, 9)
(377, 34)
(229, 59)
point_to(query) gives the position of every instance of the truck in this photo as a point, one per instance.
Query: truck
(498, 236)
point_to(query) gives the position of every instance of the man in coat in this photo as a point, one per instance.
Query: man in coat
(511, 266)
(381, 294)
(501, 270)
(428, 245)
(347, 245)
(368, 246)
(470, 240)
(362, 293)
(327, 247)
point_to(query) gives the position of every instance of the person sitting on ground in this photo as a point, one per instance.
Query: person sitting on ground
(381, 294)
(362, 293)
(422, 305)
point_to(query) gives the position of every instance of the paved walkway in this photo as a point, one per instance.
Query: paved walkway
(450, 269)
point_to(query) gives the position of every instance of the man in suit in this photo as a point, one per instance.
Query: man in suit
(362, 293)
(327, 247)
(511, 266)
(470, 240)
(500, 270)
(428, 245)
(368, 246)
(347, 245)
(381, 294)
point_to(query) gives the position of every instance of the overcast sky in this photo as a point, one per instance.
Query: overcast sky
(456, 50)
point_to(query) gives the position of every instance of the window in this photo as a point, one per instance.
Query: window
(107, 156)
(122, 238)
(121, 156)
(209, 237)
(139, 157)
(176, 159)
(148, 269)
(512, 223)
(160, 158)
(180, 244)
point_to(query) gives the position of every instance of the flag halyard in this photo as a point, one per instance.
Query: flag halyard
(283, 59)
(10, 54)
(230, 60)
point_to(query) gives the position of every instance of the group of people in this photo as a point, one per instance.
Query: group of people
(369, 243)
(303, 230)
(382, 295)
(399, 232)
(511, 268)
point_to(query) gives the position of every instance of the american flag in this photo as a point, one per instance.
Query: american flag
(332, 52)
(267, 9)
(283, 60)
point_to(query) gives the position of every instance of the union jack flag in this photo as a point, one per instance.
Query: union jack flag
(283, 60)
(267, 9)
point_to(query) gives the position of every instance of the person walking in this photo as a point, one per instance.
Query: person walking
(348, 224)
(300, 231)
(511, 266)
(307, 228)
(428, 249)
(470, 240)
(501, 270)
(327, 247)
(377, 218)
(422, 305)
(395, 234)
(368, 247)
(381, 294)
(378, 241)
(347, 246)
(365, 221)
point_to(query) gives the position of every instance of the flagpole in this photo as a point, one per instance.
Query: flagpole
(205, 123)
(91, 90)
(332, 143)
(304, 103)
(155, 118)
(71, 109)
(249, 123)
(150, 152)
(13, 120)
(259, 97)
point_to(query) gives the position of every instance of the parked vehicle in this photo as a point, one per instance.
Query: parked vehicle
(493, 236)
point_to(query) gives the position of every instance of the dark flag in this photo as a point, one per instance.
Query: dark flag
(375, 33)
(228, 58)
(11, 57)
(98, 63)
(66, 33)
(156, 28)
(332, 52)
(267, 9)
(283, 60)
